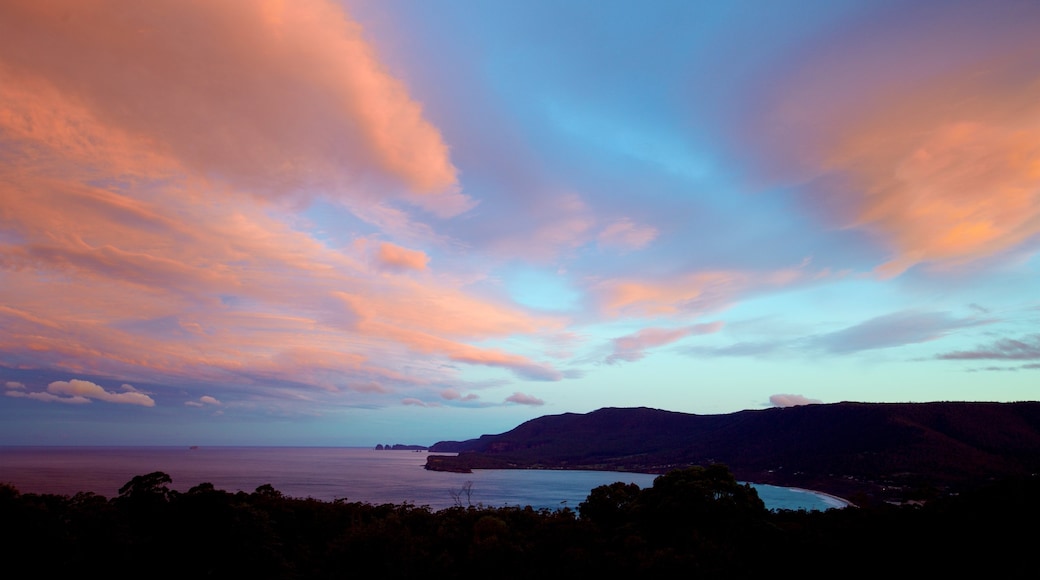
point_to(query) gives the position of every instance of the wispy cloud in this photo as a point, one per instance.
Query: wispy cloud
(689, 294)
(633, 347)
(930, 145)
(626, 235)
(413, 402)
(1024, 349)
(892, 330)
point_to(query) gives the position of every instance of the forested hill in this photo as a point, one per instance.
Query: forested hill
(844, 448)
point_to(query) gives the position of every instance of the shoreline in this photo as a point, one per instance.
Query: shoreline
(842, 502)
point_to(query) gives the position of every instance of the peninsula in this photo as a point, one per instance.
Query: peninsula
(861, 451)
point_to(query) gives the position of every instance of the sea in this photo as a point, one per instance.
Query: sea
(330, 473)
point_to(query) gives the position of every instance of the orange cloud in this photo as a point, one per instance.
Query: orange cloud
(442, 310)
(398, 258)
(693, 293)
(958, 192)
(935, 152)
(277, 98)
(420, 342)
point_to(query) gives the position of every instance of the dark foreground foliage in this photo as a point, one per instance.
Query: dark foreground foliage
(699, 522)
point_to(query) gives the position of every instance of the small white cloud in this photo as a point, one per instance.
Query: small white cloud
(203, 401)
(14, 385)
(792, 401)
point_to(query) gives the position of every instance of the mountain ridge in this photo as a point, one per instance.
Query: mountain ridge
(878, 450)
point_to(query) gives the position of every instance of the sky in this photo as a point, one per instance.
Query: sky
(310, 222)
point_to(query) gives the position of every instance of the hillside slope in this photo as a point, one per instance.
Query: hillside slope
(886, 449)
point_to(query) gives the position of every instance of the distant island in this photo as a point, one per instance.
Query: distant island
(862, 451)
(399, 447)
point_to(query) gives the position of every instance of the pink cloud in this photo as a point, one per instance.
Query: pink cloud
(967, 190)
(454, 395)
(633, 347)
(178, 277)
(522, 366)
(77, 391)
(688, 294)
(397, 258)
(933, 154)
(544, 227)
(89, 390)
(626, 235)
(48, 397)
(522, 399)
(792, 401)
(275, 98)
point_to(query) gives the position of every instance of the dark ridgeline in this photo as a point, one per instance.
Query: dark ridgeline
(867, 450)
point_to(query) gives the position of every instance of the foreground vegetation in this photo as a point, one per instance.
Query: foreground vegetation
(697, 521)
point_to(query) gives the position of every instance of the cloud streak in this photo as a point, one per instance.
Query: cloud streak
(1023, 349)
(633, 347)
(78, 391)
(892, 330)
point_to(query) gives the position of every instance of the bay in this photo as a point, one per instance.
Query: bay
(327, 474)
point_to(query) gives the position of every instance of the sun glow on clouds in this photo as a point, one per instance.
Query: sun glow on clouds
(313, 208)
(398, 258)
(938, 158)
(139, 175)
(268, 96)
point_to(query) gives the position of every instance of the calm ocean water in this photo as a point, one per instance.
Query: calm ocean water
(325, 473)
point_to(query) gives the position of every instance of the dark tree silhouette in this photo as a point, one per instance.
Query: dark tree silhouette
(150, 486)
